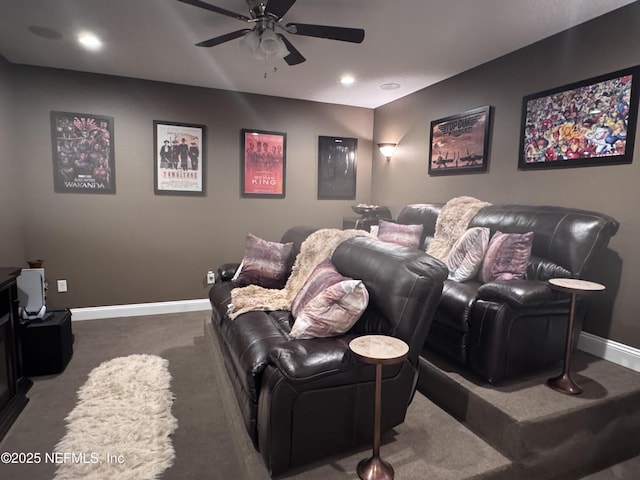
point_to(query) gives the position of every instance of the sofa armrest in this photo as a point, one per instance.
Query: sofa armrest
(306, 359)
(321, 362)
(517, 293)
(226, 271)
(313, 364)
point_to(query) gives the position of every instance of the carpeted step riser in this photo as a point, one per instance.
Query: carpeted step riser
(587, 433)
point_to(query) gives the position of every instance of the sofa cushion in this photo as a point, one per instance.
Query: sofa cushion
(507, 257)
(466, 255)
(333, 311)
(405, 235)
(328, 303)
(265, 263)
(322, 276)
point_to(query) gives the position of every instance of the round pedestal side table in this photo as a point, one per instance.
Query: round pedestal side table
(563, 382)
(378, 350)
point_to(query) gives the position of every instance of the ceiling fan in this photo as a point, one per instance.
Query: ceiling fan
(265, 39)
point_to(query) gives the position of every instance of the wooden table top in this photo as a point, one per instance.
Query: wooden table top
(381, 349)
(575, 286)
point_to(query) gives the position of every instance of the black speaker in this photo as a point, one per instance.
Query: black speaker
(47, 345)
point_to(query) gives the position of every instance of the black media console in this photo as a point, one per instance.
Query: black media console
(13, 382)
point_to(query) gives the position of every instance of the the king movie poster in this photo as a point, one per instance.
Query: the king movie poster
(82, 153)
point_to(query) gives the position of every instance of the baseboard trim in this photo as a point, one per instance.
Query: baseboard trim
(600, 347)
(610, 350)
(139, 309)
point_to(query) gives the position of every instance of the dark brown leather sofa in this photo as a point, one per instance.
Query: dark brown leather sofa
(508, 329)
(302, 400)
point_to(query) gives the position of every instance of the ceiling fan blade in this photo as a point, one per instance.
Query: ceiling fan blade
(213, 8)
(294, 57)
(279, 8)
(344, 34)
(212, 42)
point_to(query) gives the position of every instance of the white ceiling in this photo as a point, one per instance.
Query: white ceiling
(411, 42)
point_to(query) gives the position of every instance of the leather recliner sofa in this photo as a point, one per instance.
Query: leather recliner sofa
(508, 329)
(304, 399)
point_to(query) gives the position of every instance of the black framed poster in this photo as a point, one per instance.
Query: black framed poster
(179, 158)
(337, 171)
(82, 150)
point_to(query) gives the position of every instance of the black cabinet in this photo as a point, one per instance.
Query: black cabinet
(47, 345)
(13, 383)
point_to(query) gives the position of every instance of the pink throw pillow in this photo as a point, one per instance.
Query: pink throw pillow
(507, 257)
(322, 276)
(328, 303)
(400, 234)
(333, 311)
(265, 263)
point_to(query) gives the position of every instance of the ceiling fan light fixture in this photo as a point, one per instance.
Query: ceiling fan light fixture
(264, 45)
(251, 41)
(271, 45)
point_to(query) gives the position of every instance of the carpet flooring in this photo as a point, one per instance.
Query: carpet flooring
(211, 442)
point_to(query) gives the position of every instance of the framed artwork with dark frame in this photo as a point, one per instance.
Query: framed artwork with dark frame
(263, 159)
(83, 153)
(587, 123)
(460, 143)
(179, 158)
(337, 170)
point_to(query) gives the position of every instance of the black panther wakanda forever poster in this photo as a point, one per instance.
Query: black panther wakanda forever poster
(83, 159)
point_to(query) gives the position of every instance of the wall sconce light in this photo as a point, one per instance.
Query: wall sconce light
(387, 149)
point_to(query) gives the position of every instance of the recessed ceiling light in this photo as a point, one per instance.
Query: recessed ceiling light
(44, 32)
(89, 41)
(347, 80)
(390, 86)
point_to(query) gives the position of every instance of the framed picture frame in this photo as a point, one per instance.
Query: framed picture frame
(459, 143)
(83, 153)
(179, 158)
(586, 123)
(263, 162)
(337, 168)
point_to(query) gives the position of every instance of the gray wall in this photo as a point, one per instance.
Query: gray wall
(11, 245)
(601, 46)
(135, 246)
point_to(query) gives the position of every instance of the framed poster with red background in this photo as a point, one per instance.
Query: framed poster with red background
(263, 164)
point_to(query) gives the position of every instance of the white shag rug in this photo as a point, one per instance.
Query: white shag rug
(121, 426)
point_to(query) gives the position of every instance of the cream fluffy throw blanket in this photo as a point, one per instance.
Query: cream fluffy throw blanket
(452, 222)
(317, 246)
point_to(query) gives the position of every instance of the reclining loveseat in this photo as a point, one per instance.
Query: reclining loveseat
(304, 399)
(507, 329)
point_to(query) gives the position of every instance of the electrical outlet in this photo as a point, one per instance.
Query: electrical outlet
(211, 277)
(62, 286)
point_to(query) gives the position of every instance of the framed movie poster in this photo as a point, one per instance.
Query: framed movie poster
(337, 168)
(263, 163)
(179, 158)
(82, 147)
(592, 122)
(460, 143)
